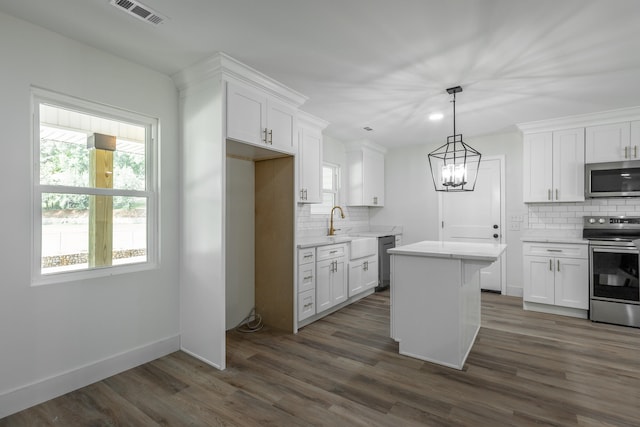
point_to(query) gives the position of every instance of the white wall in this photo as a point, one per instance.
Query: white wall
(410, 199)
(54, 338)
(240, 240)
(412, 202)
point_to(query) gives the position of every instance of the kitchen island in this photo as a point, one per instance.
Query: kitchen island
(435, 298)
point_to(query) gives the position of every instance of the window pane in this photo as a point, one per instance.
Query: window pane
(128, 170)
(66, 160)
(129, 230)
(118, 226)
(327, 178)
(65, 232)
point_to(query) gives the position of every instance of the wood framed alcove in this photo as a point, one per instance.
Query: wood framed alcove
(260, 245)
(274, 244)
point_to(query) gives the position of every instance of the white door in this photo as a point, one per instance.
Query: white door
(475, 216)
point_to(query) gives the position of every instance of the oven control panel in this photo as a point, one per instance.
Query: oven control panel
(612, 221)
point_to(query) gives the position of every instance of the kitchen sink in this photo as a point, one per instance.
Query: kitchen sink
(363, 247)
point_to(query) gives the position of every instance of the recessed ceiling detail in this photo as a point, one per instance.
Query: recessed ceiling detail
(140, 11)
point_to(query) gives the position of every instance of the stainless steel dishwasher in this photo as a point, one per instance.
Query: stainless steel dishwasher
(384, 261)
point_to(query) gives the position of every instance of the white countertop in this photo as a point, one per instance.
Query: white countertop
(438, 249)
(381, 231)
(554, 236)
(554, 239)
(375, 233)
(310, 242)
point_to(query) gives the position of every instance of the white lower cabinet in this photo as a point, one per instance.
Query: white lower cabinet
(306, 304)
(306, 283)
(331, 276)
(328, 280)
(363, 275)
(331, 284)
(556, 274)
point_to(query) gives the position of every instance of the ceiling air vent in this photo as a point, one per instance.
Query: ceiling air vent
(140, 11)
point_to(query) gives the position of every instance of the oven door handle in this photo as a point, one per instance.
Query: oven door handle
(615, 250)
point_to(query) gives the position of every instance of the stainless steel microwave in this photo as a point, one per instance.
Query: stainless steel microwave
(612, 179)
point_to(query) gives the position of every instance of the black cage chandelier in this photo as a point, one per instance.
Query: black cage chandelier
(454, 165)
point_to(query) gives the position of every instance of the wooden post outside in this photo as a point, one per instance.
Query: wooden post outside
(100, 209)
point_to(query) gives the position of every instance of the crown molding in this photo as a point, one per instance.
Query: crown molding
(582, 120)
(312, 120)
(223, 67)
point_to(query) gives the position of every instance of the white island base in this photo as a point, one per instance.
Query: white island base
(435, 298)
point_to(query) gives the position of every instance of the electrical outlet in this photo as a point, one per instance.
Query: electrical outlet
(514, 226)
(516, 218)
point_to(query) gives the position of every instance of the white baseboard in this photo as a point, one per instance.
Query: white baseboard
(23, 397)
(554, 309)
(202, 359)
(514, 291)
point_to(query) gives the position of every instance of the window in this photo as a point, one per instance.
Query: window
(94, 189)
(330, 189)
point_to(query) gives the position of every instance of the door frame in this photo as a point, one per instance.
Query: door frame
(503, 219)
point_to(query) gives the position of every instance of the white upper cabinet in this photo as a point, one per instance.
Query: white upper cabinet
(365, 175)
(256, 118)
(568, 165)
(281, 126)
(310, 158)
(611, 143)
(554, 166)
(246, 114)
(538, 166)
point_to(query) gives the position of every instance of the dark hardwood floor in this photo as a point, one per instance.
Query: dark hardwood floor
(525, 369)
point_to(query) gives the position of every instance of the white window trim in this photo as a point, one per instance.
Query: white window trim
(38, 96)
(337, 180)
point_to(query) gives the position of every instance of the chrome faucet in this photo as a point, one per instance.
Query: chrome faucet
(332, 231)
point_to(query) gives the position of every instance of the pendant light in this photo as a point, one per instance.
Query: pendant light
(454, 165)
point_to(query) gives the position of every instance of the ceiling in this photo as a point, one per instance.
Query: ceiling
(387, 64)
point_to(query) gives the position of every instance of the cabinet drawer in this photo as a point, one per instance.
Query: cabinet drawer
(566, 250)
(306, 277)
(306, 304)
(306, 256)
(331, 251)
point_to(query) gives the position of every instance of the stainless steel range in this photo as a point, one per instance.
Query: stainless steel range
(614, 263)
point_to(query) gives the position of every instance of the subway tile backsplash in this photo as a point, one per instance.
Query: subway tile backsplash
(356, 219)
(568, 216)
